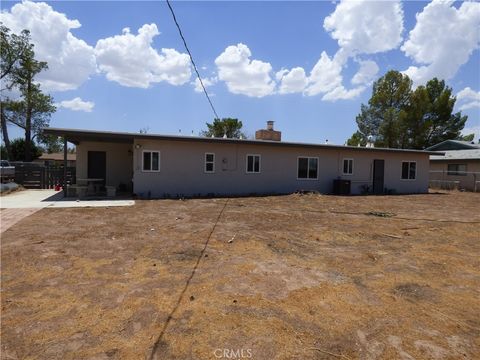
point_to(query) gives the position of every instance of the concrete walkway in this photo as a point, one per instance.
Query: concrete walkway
(20, 204)
(9, 217)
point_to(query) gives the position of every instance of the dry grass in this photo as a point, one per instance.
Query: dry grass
(306, 277)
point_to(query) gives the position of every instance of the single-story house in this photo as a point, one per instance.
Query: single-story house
(173, 166)
(457, 167)
(56, 159)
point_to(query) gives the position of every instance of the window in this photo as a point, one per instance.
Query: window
(457, 169)
(307, 168)
(151, 161)
(347, 166)
(409, 170)
(253, 163)
(209, 162)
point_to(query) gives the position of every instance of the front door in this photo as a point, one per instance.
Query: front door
(97, 165)
(378, 176)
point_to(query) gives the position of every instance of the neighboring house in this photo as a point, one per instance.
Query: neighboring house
(172, 166)
(458, 167)
(56, 159)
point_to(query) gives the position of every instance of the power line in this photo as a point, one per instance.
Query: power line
(191, 59)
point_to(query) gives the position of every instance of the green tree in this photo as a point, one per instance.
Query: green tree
(33, 110)
(430, 117)
(12, 48)
(441, 123)
(50, 143)
(357, 139)
(398, 117)
(18, 150)
(226, 126)
(383, 117)
(3, 153)
(468, 137)
(31, 113)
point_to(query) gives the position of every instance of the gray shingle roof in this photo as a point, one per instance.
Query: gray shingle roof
(473, 154)
(453, 145)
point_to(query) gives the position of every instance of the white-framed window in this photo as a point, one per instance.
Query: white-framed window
(209, 162)
(307, 168)
(150, 161)
(457, 169)
(347, 166)
(409, 170)
(253, 163)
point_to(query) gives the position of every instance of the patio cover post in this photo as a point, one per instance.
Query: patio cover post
(65, 166)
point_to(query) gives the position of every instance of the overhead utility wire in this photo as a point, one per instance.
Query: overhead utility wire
(191, 59)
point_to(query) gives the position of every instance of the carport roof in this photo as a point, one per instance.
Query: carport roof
(76, 136)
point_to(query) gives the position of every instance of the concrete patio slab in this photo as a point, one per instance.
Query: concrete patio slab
(63, 203)
(29, 199)
(38, 199)
(17, 206)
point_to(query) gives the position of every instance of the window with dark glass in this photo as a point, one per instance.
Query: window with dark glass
(307, 168)
(151, 161)
(210, 162)
(457, 169)
(409, 170)
(253, 163)
(347, 166)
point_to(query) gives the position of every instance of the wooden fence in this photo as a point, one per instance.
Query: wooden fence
(34, 176)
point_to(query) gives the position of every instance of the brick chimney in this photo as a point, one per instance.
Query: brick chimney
(269, 133)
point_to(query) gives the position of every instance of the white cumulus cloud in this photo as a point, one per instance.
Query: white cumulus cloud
(70, 60)
(130, 60)
(442, 40)
(360, 28)
(340, 93)
(366, 27)
(291, 81)
(325, 76)
(366, 74)
(207, 82)
(468, 99)
(77, 104)
(243, 75)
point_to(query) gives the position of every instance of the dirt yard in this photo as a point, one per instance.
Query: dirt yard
(288, 277)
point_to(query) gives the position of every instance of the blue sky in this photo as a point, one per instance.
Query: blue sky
(107, 77)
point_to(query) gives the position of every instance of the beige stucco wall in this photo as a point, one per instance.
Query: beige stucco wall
(119, 161)
(182, 169)
(439, 171)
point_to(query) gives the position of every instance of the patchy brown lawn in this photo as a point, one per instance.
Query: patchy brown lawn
(306, 277)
